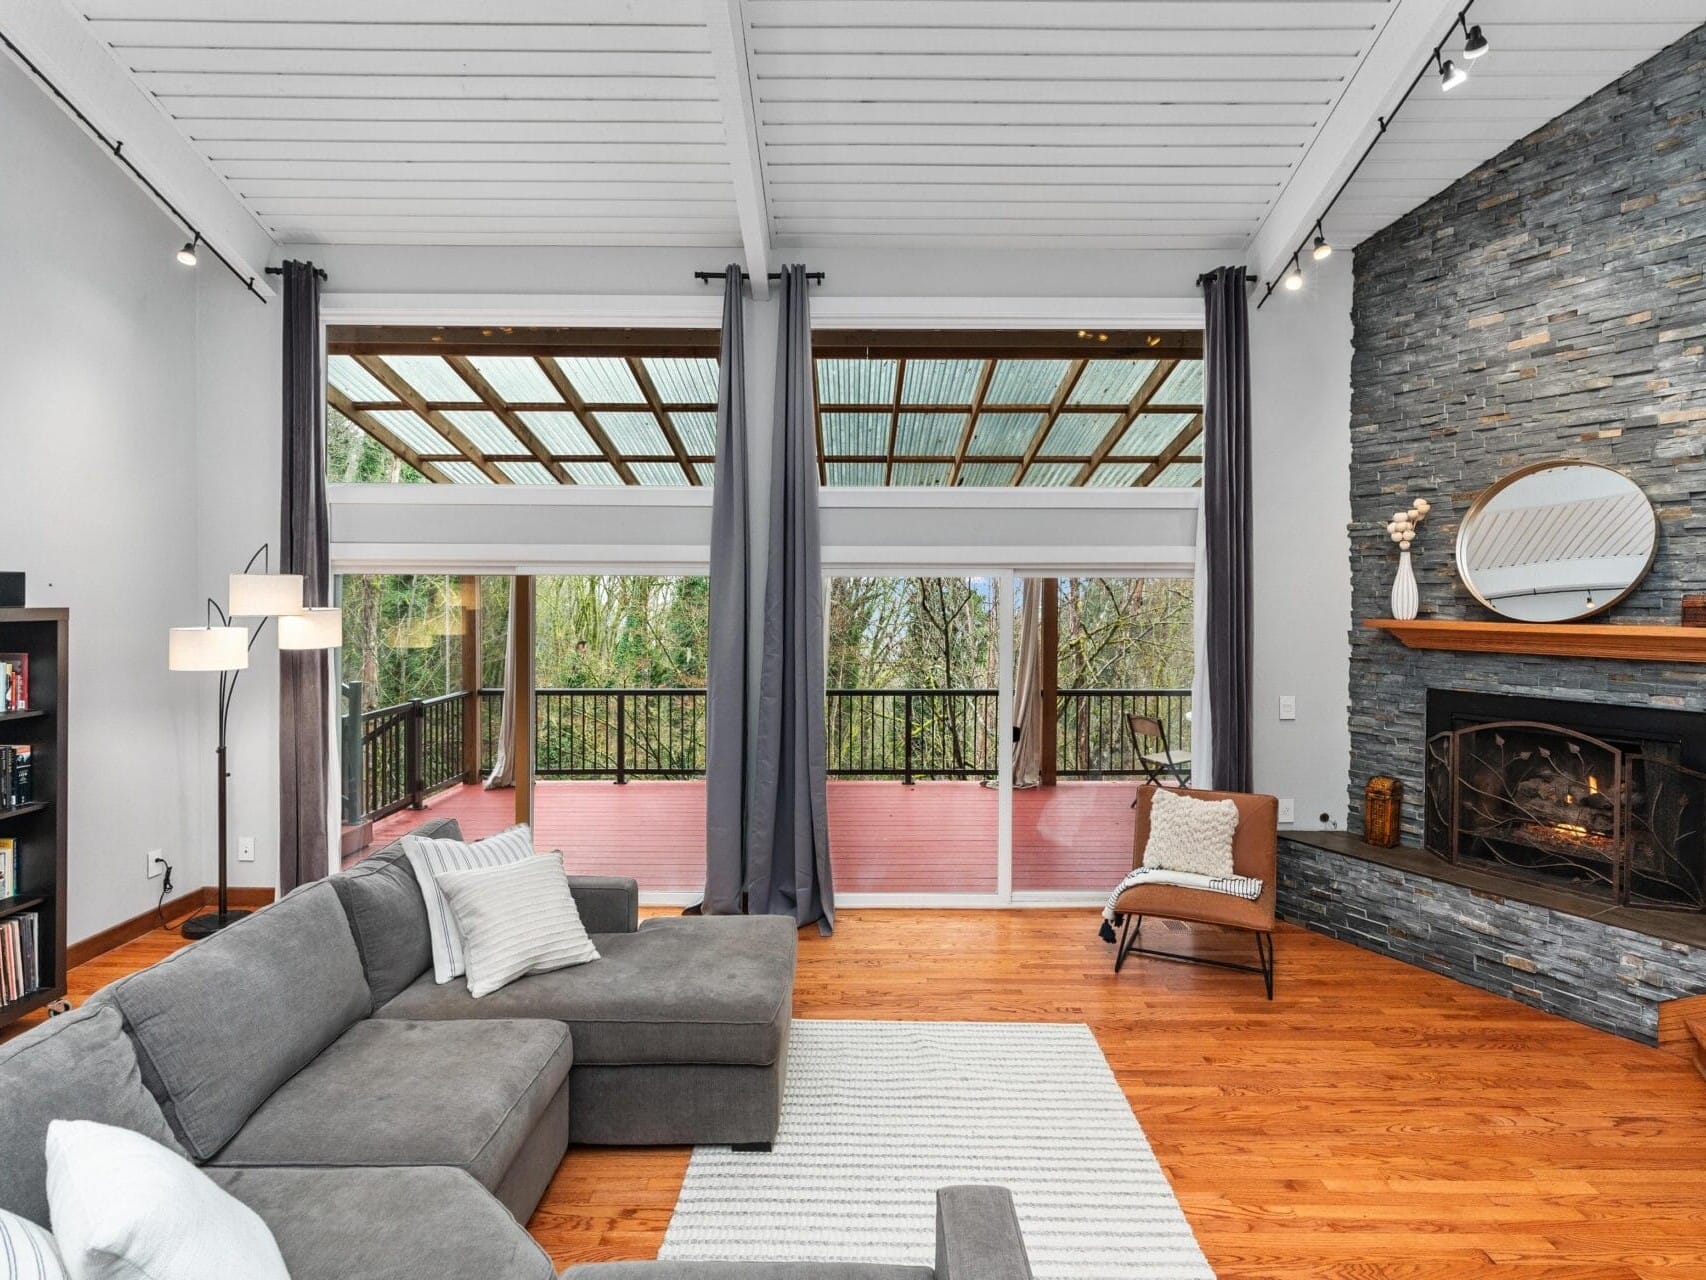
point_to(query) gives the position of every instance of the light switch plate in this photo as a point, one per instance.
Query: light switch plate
(1288, 706)
(1288, 810)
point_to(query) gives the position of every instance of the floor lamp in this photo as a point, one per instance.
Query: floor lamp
(225, 648)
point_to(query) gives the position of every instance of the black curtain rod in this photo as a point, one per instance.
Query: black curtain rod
(705, 277)
(319, 272)
(117, 148)
(1385, 123)
(1250, 280)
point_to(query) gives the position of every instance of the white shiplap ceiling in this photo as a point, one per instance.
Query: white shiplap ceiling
(1209, 125)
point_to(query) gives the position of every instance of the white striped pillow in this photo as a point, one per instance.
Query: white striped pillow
(516, 919)
(429, 858)
(27, 1251)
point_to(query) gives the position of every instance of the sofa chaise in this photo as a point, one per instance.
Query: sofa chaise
(388, 1128)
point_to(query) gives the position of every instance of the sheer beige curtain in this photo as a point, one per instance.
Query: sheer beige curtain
(1028, 687)
(502, 775)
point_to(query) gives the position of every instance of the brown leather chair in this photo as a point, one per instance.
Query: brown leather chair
(1254, 853)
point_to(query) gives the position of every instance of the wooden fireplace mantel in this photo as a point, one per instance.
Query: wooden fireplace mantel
(1559, 640)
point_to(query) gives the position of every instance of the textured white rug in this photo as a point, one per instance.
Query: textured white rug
(877, 1115)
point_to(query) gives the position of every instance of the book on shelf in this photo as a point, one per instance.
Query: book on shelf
(8, 869)
(16, 784)
(20, 956)
(14, 682)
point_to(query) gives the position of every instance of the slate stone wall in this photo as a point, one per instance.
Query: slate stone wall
(1594, 973)
(1551, 304)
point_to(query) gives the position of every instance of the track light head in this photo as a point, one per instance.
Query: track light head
(1322, 249)
(186, 255)
(1451, 75)
(1294, 277)
(1475, 44)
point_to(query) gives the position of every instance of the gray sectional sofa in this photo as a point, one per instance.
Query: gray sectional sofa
(389, 1128)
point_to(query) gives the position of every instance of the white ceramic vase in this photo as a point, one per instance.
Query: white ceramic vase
(1405, 599)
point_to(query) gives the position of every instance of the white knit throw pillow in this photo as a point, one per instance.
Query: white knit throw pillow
(27, 1252)
(1188, 834)
(516, 919)
(431, 858)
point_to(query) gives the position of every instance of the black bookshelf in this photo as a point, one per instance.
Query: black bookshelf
(39, 827)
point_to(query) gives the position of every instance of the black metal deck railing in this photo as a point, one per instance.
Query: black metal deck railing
(397, 756)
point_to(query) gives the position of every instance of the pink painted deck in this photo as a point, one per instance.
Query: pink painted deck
(885, 837)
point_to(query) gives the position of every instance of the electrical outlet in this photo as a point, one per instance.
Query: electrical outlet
(156, 863)
(245, 848)
(1288, 810)
(1288, 706)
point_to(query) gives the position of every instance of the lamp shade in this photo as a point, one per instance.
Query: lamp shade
(265, 595)
(311, 629)
(207, 648)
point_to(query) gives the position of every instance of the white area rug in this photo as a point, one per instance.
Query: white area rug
(877, 1115)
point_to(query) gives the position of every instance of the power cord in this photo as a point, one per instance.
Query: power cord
(165, 888)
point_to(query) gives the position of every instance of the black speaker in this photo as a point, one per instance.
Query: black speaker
(11, 589)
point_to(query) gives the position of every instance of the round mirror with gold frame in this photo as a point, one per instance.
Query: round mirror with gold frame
(1557, 542)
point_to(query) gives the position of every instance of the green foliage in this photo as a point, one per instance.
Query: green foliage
(354, 457)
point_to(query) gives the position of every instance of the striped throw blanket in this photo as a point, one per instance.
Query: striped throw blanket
(1247, 887)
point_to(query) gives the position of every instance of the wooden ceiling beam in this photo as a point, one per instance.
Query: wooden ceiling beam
(1146, 392)
(670, 434)
(1170, 454)
(972, 410)
(399, 387)
(588, 420)
(894, 420)
(438, 340)
(339, 401)
(1075, 372)
(725, 26)
(1123, 344)
(519, 429)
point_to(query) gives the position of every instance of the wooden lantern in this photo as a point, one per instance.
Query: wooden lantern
(1382, 807)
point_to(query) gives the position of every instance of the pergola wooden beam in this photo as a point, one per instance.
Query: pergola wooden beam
(508, 416)
(984, 378)
(1189, 432)
(1145, 392)
(339, 401)
(894, 419)
(588, 420)
(399, 387)
(1075, 372)
(655, 403)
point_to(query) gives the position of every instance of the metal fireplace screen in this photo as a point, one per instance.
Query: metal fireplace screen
(1620, 820)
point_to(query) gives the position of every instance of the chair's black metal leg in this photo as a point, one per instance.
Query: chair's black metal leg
(1265, 954)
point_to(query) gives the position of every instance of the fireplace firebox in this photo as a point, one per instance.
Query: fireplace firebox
(1607, 800)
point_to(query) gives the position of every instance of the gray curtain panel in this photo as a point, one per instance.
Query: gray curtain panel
(1226, 510)
(788, 815)
(304, 676)
(726, 746)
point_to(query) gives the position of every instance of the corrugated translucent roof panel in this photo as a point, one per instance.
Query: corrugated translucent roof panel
(683, 379)
(927, 434)
(1076, 435)
(945, 382)
(923, 475)
(1181, 475)
(1051, 475)
(1149, 434)
(527, 473)
(1116, 475)
(707, 471)
(463, 473)
(412, 430)
(843, 474)
(1110, 381)
(1003, 434)
(561, 433)
(594, 473)
(987, 474)
(658, 474)
(434, 380)
(697, 429)
(855, 433)
(357, 383)
(1025, 381)
(634, 433)
(1183, 385)
(855, 381)
(601, 379)
(485, 430)
(517, 379)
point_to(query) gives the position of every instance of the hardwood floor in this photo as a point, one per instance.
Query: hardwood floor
(1374, 1122)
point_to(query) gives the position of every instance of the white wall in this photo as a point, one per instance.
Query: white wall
(1300, 367)
(97, 446)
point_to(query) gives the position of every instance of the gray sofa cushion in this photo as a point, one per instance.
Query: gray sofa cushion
(219, 1026)
(713, 989)
(78, 1066)
(383, 901)
(462, 1094)
(387, 1224)
(608, 904)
